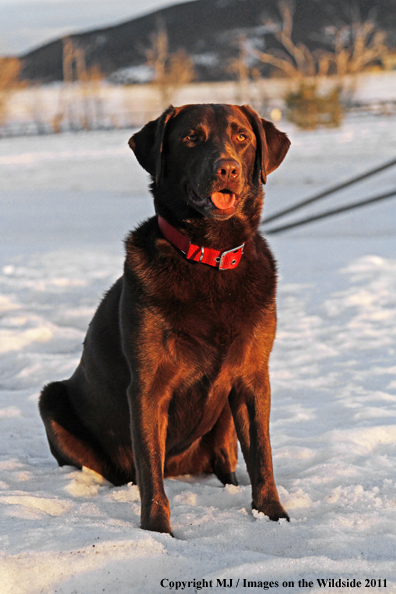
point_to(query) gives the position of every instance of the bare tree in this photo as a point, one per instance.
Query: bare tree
(81, 84)
(295, 60)
(171, 71)
(90, 85)
(248, 77)
(304, 106)
(354, 47)
(67, 105)
(239, 67)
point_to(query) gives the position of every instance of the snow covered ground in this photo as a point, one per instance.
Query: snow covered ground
(66, 202)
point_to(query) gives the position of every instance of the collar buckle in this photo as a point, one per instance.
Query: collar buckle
(233, 262)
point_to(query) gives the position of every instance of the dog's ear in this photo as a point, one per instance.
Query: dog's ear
(148, 143)
(272, 144)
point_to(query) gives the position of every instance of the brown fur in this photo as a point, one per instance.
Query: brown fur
(175, 361)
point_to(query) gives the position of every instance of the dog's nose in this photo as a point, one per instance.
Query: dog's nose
(227, 170)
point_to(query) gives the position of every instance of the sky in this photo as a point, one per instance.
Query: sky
(26, 24)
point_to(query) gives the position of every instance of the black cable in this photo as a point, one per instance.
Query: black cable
(330, 213)
(331, 190)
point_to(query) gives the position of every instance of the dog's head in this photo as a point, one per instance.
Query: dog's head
(209, 158)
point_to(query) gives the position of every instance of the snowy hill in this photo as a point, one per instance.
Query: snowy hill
(207, 30)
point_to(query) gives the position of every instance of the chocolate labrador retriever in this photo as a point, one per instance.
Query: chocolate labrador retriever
(175, 362)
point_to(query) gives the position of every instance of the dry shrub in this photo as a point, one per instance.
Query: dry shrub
(9, 81)
(81, 104)
(355, 47)
(307, 109)
(171, 71)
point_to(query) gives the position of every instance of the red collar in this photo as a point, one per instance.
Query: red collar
(226, 260)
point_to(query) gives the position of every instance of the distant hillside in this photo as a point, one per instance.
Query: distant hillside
(207, 30)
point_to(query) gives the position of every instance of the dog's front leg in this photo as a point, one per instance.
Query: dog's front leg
(149, 423)
(250, 404)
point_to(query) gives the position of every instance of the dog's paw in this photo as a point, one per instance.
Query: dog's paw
(158, 524)
(228, 478)
(273, 509)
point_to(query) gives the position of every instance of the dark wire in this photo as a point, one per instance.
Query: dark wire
(331, 190)
(330, 213)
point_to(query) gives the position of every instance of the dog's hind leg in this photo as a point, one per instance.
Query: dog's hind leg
(222, 444)
(69, 441)
(216, 452)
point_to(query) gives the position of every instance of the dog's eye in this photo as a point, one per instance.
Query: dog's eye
(241, 137)
(193, 137)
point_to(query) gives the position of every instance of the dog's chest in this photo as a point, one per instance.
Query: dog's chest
(209, 318)
(213, 323)
(208, 355)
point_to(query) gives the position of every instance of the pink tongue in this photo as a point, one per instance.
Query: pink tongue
(222, 200)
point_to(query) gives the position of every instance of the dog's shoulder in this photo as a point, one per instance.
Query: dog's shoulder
(258, 285)
(141, 253)
(141, 241)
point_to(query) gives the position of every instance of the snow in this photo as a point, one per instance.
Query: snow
(66, 202)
